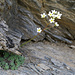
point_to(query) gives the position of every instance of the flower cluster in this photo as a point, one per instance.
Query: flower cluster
(53, 14)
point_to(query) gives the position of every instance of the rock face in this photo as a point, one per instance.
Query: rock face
(8, 41)
(23, 17)
(42, 59)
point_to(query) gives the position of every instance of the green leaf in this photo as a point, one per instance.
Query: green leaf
(6, 54)
(3, 63)
(11, 58)
(12, 64)
(6, 66)
(16, 68)
(0, 63)
(12, 67)
(1, 59)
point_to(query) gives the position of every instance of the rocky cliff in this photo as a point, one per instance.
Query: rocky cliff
(23, 17)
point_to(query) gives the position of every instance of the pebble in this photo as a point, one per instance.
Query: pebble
(43, 66)
(57, 63)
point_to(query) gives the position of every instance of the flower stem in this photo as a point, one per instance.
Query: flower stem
(28, 41)
(34, 36)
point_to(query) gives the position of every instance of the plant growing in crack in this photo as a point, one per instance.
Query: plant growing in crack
(52, 15)
(10, 60)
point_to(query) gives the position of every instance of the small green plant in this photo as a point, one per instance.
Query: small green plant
(6, 67)
(10, 60)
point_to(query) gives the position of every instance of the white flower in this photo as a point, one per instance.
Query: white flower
(51, 20)
(39, 30)
(59, 15)
(54, 12)
(54, 16)
(4, 21)
(56, 24)
(43, 15)
(50, 14)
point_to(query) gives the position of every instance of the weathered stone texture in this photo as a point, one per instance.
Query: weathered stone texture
(23, 18)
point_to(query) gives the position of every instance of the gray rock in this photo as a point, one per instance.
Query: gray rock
(36, 69)
(43, 66)
(23, 18)
(19, 20)
(56, 63)
(39, 68)
(46, 73)
(9, 39)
